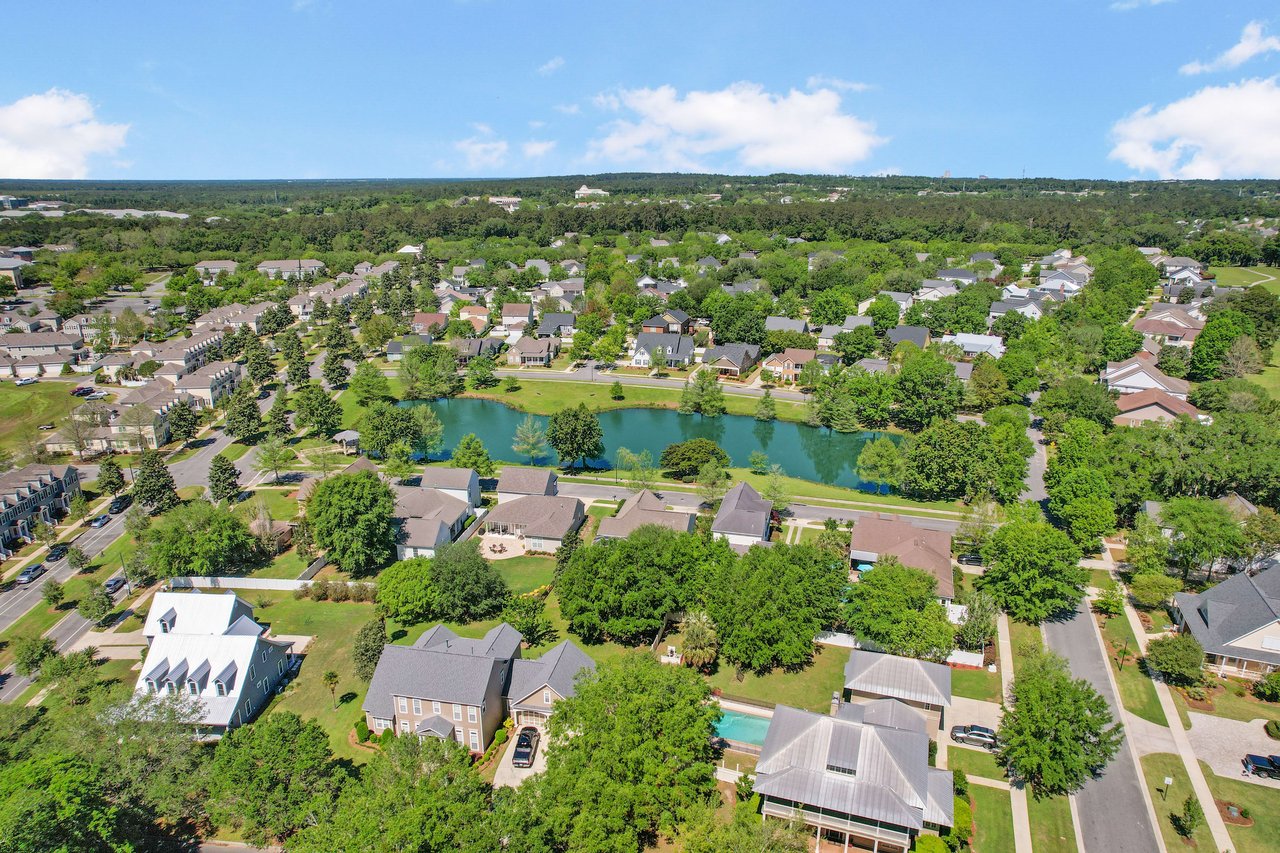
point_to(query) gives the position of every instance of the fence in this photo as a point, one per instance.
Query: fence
(848, 641)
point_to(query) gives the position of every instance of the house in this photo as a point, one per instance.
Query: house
(738, 288)
(469, 348)
(567, 289)
(902, 300)
(209, 648)
(186, 354)
(460, 483)
(43, 321)
(209, 270)
(744, 518)
(429, 322)
(541, 522)
(401, 345)
(920, 684)
(917, 335)
(731, 359)
(860, 777)
(585, 191)
(428, 520)
(658, 349)
(785, 324)
(216, 318)
(1153, 404)
(291, 268)
(462, 689)
(1028, 308)
(517, 312)
(211, 383)
(973, 345)
(159, 396)
(786, 365)
(1062, 281)
(19, 345)
(533, 352)
(707, 263)
(543, 267)
(933, 289)
(914, 547)
(11, 268)
(573, 267)
(1137, 374)
(556, 325)
(1237, 622)
(959, 276)
(520, 482)
(978, 257)
(1170, 325)
(670, 321)
(31, 495)
(642, 508)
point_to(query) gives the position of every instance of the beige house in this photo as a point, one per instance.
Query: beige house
(643, 508)
(1237, 622)
(212, 383)
(539, 522)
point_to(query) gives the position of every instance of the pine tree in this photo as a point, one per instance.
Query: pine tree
(182, 423)
(766, 409)
(154, 484)
(224, 479)
(244, 419)
(531, 439)
(471, 453)
(259, 365)
(690, 399)
(712, 394)
(615, 391)
(110, 479)
(278, 423)
(335, 370)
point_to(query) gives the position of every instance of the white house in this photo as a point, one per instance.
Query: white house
(460, 483)
(1136, 374)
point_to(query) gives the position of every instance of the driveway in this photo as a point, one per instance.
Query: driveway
(510, 776)
(973, 712)
(1223, 743)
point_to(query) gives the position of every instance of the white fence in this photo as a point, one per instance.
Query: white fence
(236, 583)
(848, 641)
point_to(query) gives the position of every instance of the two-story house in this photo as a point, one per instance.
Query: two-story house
(30, 495)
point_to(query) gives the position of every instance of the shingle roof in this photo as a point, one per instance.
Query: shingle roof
(436, 477)
(443, 676)
(743, 512)
(784, 324)
(527, 481)
(898, 678)
(644, 507)
(915, 547)
(736, 354)
(557, 669)
(541, 515)
(1237, 607)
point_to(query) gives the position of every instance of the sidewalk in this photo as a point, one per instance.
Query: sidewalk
(1017, 793)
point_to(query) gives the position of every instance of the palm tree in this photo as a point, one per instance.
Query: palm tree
(699, 645)
(330, 679)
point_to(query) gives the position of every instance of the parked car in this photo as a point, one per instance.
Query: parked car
(113, 585)
(81, 391)
(100, 521)
(119, 504)
(96, 395)
(45, 427)
(27, 380)
(30, 573)
(1261, 765)
(526, 747)
(974, 736)
(970, 559)
(57, 552)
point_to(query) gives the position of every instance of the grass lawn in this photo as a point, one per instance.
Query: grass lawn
(976, 684)
(279, 504)
(1264, 807)
(809, 688)
(1246, 277)
(1155, 769)
(809, 534)
(1269, 378)
(1099, 578)
(1233, 707)
(1022, 638)
(524, 574)
(235, 450)
(189, 492)
(286, 566)
(992, 820)
(974, 762)
(1051, 828)
(802, 489)
(23, 409)
(1137, 693)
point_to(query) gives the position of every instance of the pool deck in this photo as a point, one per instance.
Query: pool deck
(744, 708)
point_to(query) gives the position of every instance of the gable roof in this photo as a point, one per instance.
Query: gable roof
(644, 507)
(785, 324)
(897, 677)
(542, 515)
(918, 335)
(195, 613)
(557, 669)
(736, 354)
(1119, 371)
(1155, 397)
(915, 547)
(743, 512)
(437, 477)
(527, 481)
(1234, 608)
(665, 343)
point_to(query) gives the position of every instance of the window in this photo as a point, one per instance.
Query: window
(248, 707)
(280, 666)
(417, 706)
(471, 715)
(475, 741)
(457, 735)
(170, 688)
(251, 675)
(457, 712)
(404, 725)
(264, 655)
(546, 697)
(151, 686)
(435, 708)
(193, 688)
(403, 704)
(220, 688)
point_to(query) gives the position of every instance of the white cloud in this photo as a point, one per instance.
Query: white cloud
(1130, 5)
(1218, 132)
(761, 131)
(535, 123)
(53, 135)
(568, 109)
(1252, 43)
(481, 153)
(537, 147)
(822, 81)
(551, 66)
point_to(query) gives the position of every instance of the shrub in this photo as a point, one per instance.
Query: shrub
(362, 730)
(1177, 659)
(1110, 601)
(961, 825)
(744, 787)
(387, 736)
(1191, 818)
(930, 844)
(363, 592)
(1149, 591)
(1268, 689)
(500, 736)
(319, 591)
(960, 783)
(302, 591)
(1272, 728)
(339, 591)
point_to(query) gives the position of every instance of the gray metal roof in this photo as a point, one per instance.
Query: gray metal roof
(1240, 605)
(883, 712)
(557, 669)
(897, 677)
(743, 512)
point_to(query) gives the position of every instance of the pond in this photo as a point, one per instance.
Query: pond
(802, 451)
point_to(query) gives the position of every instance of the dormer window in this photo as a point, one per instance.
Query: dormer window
(193, 688)
(170, 688)
(220, 688)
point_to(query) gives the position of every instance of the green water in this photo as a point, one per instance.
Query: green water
(802, 451)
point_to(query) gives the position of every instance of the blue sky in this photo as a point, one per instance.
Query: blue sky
(331, 89)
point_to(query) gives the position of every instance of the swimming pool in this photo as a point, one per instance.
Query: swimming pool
(744, 728)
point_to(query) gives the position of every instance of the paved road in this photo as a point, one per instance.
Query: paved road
(1034, 489)
(1111, 809)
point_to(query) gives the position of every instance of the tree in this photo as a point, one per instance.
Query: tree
(139, 421)
(467, 586)
(1221, 330)
(698, 646)
(926, 390)
(44, 533)
(897, 608)
(767, 408)
(1150, 591)
(1032, 570)
(949, 460)
(77, 559)
(224, 479)
(1146, 547)
(663, 711)
(881, 462)
(1191, 817)
(405, 592)
(430, 372)
(258, 365)
(79, 507)
(1077, 398)
(316, 410)
(775, 489)
(976, 523)
(110, 479)
(199, 538)
(368, 385)
(703, 395)
(1204, 531)
(273, 454)
(1059, 732)
(182, 423)
(772, 602)
(639, 467)
(57, 802)
(530, 440)
(79, 431)
(366, 650)
(1177, 658)
(1261, 532)
(615, 391)
(480, 372)
(244, 418)
(153, 484)
(1174, 361)
(386, 425)
(95, 605)
(53, 593)
(833, 539)
(704, 831)
(273, 778)
(525, 614)
(334, 372)
(855, 344)
(979, 626)
(30, 653)
(576, 435)
(471, 453)
(351, 516)
(1268, 688)
(279, 425)
(988, 386)
(713, 481)
(686, 458)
